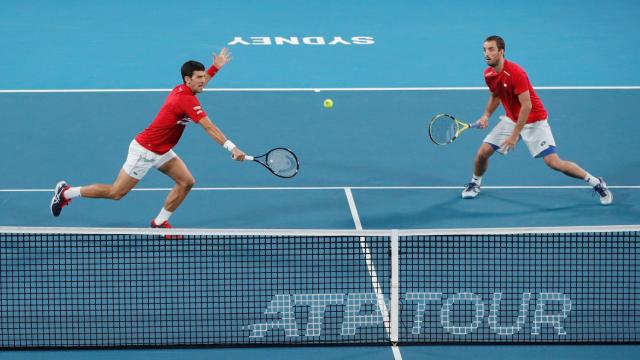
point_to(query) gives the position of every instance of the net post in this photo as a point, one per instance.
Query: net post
(395, 287)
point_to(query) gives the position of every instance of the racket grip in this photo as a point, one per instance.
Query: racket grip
(246, 157)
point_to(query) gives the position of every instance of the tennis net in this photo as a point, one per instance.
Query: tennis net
(88, 288)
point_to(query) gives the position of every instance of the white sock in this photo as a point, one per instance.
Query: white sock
(476, 179)
(163, 216)
(73, 192)
(592, 180)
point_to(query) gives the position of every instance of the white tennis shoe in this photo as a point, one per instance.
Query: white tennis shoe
(471, 190)
(605, 195)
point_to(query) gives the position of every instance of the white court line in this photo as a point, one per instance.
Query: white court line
(317, 89)
(372, 270)
(276, 188)
(323, 232)
(353, 208)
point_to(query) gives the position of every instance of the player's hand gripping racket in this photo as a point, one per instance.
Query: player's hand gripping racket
(444, 128)
(280, 161)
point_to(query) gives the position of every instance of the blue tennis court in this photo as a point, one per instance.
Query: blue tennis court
(80, 80)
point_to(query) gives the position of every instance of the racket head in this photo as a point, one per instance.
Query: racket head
(282, 162)
(445, 128)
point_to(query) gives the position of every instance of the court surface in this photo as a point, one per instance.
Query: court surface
(80, 80)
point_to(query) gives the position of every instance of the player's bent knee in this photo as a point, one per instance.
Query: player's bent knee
(188, 183)
(118, 195)
(484, 153)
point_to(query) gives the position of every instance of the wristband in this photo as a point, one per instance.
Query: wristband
(229, 145)
(212, 70)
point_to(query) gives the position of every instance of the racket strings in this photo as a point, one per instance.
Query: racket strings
(443, 130)
(282, 162)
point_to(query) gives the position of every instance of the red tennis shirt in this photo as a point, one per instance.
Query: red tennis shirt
(508, 84)
(178, 110)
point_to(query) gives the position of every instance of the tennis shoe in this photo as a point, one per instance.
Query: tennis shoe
(605, 195)
(165, 225)
(58, 201)
(471, 190)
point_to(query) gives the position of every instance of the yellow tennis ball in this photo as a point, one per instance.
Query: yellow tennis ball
(328, 103)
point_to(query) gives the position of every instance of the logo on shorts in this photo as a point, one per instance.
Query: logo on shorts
(543, 143)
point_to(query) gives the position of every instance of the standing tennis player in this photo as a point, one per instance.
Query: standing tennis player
(526, 119)
(153, 146)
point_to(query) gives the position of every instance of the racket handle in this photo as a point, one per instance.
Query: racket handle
(474, 125)
(246, 157)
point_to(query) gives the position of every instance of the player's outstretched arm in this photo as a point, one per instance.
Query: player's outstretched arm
(217, 135)
(219, 61)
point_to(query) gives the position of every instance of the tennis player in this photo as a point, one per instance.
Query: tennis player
(153, 146)
(526, 119)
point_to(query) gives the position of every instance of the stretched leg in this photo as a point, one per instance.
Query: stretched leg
(63, 193)
(120, 187)
(566, 167)
(572, 169)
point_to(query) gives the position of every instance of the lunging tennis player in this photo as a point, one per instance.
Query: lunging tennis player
(153, 146)
(526, 119)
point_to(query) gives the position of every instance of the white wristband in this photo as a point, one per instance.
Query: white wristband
(229, 145)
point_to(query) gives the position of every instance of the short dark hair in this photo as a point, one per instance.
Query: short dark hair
(499, 41)
(190, 67)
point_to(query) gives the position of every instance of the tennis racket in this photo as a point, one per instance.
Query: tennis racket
(280, 161)
(444, 128)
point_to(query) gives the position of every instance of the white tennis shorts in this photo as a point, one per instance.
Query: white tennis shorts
(140, 160)
(537, 136)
